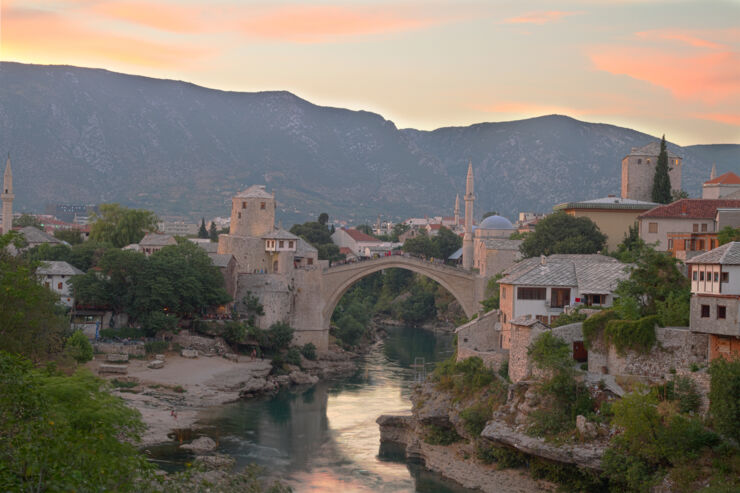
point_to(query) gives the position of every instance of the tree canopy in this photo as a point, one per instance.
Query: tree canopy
(202, 231)
(444, 244)
(563, 233)
(728, 234)
(319, 236)
(661, 181)
(121, 226)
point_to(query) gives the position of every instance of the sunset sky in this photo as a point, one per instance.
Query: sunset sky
(668, 67)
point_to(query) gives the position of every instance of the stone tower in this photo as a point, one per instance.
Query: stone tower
(7, 197)
(252, 212)
(467, 253)
(638, 172)
(457, 212)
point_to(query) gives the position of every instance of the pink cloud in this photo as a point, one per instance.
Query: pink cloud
(681, 37)
(540, 18)
(729, 119)
(173, 18)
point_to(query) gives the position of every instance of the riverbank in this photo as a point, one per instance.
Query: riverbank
(172, 398)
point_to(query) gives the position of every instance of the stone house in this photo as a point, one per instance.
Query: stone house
(638, 171)
(613, 215)
(154, 242)
(725, 186)
(55, 275)
(361, 244)
(715, 299)
(684, 216)
(541, 287)
(35, 237)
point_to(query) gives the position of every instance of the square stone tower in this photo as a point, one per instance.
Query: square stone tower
(638, 172)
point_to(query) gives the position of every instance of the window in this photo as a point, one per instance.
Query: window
(639, 160)
(290, 244)
(716, 277)
(503, 292)
(704, 228)
(695, 276)
(712, 244)
(725, 277)
(696, 228)
(281, 243)
(670, 244)
(721, 312)
(531, 293)
(648, 161)
(244, 205)
(309, 261)
(701, 275)
(701, 245)
(541, 318)
(652, 227)
(239, 215)
(705, 311)
(262, 205)
(59, 286)
(560, 297)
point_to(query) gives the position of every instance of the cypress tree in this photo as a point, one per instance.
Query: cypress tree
(202, 232)
(213, 233)
(661, 181)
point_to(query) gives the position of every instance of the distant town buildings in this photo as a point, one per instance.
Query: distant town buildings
(178, 228)
(361, 244)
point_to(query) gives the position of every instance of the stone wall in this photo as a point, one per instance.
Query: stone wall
(136, 349)
(569, 333)
(481, 334)
(520, 366)
(307, 315)
(677, 347)
(274, 293)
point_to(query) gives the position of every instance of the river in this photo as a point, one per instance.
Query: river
(325, 438)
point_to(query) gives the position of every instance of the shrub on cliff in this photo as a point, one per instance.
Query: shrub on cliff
(78, 347)
(724, 397)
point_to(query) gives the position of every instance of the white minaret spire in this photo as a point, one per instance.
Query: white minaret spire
(713, 174)
(457, 212)
(7, 197)
(467, 252)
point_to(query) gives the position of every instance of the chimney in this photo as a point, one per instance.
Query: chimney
(611, 195)
(683, 208)
(543, 260)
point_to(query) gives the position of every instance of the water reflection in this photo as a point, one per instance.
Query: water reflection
(325, 438)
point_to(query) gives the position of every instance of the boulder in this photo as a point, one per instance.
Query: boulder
(120, 369)
(231, 357)
(116, 357)
(586, 429)
(300, 378)
(216, 461)
(202, 444)
(189, 353)
(160, 357)
(155, 364)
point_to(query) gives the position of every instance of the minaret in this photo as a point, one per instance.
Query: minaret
(457, 212)
(7, 198)
(713, 174)
(467, 252)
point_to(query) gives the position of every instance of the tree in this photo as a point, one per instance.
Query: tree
(323, 218)
(71, 236)
(202, 232)
(398, 230)
(365, 228)
(631, 247)
(661, 181)
(31, 322)
(421, 245)
(563, 233)
(121, 226)
(489, 213)
(447, 242)
(27, 220)
(78, 347)
(728, 234)
(678, 195)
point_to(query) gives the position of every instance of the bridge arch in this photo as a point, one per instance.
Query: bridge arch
(337, 280)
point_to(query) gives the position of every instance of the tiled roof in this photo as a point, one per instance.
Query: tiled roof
(280, 234)
(58, 268)
(254, 192)
(157, 239)
(607, 203)
(208, 246)
(359, 235)
(346, 251)
(526, 321)
(728, 178)
(651, 149)
(502, 244)
(221, 259)
(691, 208)
(304, 248)
(435, 226)
(35, 236)
(727, 254)
(596, 274)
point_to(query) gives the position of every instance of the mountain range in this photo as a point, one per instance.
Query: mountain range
(81, 136)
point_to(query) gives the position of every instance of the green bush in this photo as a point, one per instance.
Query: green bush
(593, 327)
(441, 435)
(550, 352)
(569, 318)
(122, 333)
(724, 397)
(466, 377)
(278, 364)
(475, 417)
(674, 311)
(636, 335)
(293, 356)
(118, 384)
(233, 332)
(309, 351)
(687, 395)
(507, 458)
(279, 336)
(155, 347)
(503, 370)
(79, 347)
(568, 476)
(156, 322)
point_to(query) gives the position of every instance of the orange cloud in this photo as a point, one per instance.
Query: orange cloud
(44, 37)
(722, 118)
(173, 18)
(317, 24)
(709, 77)
(539, 17)
(681, 37)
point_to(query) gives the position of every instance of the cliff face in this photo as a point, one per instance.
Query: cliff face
(80, 135)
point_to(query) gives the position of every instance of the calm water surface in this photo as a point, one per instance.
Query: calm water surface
(325, 438)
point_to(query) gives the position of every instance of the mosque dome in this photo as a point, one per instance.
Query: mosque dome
(495, 222)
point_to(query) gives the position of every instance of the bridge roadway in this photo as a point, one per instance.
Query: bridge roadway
(462, 284)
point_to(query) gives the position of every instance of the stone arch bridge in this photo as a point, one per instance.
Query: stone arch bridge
(312, 322)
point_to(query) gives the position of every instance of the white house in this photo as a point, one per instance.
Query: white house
(55, 275)
(361, 244)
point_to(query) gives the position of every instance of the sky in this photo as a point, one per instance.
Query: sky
(659, 66)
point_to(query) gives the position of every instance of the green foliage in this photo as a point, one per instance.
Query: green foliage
(441, 435)
(79, 347)
(122, 333)
(504, 457)
(31, 322)
(467, 377)
(156, 347)
(309, 351)
(71, 236)
(202, 231)
(293, 356)
(65, 433)
(593, 326)
(568, 318)
(82, 256)
(422, 244)
(674, 311)
(569, 476)
(416, 308)
(550, 352)
(213, 232)
(323, 218)
(627, 308)
(728, 234)
(503, 370)
(724, 397)
(279, 336)
(319, 236)
(119, 384)
(28, 220)
(475, 416)
(155, 322)
(661, 181)
(233, 332)
(518, 236)
(631, 247)
(447, 242)
(636, 335)
(398, 229)
(563, 233)
(121, 226)
(365, 228)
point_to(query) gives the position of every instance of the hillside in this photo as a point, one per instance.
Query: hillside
(80, 135)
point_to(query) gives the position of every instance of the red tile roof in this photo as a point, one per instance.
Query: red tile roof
(359, 235)
(728, 178)
(690, 208)
(346, 251)
(435, 226)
